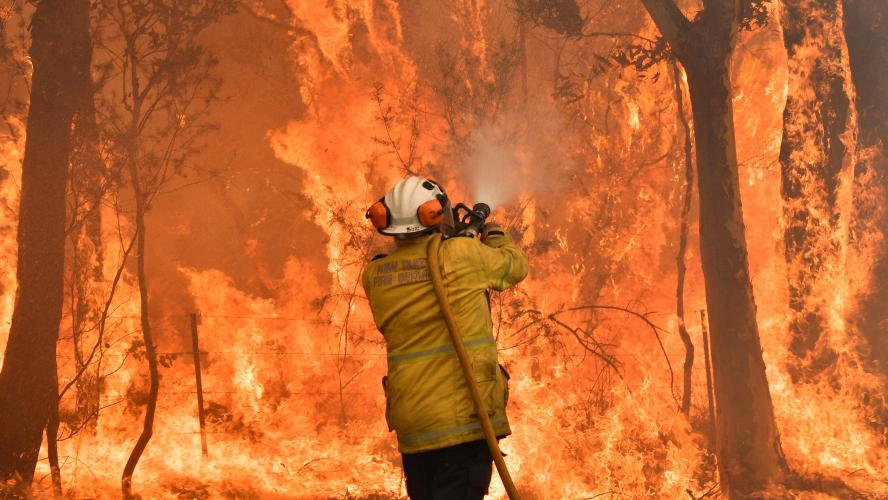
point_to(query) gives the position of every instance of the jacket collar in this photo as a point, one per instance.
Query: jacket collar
(411, 242)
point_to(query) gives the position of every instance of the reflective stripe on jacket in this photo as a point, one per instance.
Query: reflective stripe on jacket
(428, 403)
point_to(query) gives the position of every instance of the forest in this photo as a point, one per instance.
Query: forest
(699, 185)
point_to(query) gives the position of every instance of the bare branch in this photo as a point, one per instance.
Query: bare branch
(102, 320)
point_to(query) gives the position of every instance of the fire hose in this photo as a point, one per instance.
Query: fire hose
(465, 363)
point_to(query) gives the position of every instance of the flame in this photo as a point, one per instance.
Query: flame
(12, 147)
(592, 185)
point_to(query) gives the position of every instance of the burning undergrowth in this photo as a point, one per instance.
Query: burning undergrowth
(584, 160)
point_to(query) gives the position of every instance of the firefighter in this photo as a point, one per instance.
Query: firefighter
(428, 403)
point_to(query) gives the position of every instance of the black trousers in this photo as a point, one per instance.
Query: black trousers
(460, 472)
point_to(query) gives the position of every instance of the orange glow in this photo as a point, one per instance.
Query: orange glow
(291, 358)
(11, 152)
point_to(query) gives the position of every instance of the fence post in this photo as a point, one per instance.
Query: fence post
(200, 404)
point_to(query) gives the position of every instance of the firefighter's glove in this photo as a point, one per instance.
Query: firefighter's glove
(491, 228)
(494, 235)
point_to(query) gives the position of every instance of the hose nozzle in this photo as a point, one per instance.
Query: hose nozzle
(479, 214)
(482, 209)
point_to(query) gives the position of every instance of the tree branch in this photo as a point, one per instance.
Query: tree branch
(669, 20)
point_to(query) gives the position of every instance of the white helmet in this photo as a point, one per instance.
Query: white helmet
(415, 205)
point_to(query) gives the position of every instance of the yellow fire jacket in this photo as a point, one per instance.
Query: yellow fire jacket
(428, 403)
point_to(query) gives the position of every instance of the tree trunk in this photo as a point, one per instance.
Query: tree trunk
(684, 229)
(150, 354)
(812, 157)
(747, 443)
(866, 32)
(52, 443)
(141, 198)
(60, 54)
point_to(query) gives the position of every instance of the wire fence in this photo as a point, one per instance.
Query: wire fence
(376, 352)
(318, 321)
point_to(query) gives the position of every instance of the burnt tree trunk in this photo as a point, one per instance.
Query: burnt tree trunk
(141, 196)
(60, 54)
(866, 32)
(812, 157)
(150, 352)
(684, 229)
(747, 442)
(52, 444)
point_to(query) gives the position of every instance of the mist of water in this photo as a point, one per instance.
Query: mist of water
(521, 154)
(495, 170)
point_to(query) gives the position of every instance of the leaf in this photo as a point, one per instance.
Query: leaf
(562, 16)
(166, 360)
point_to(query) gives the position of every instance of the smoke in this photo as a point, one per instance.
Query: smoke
(523, 153)
(495, 170)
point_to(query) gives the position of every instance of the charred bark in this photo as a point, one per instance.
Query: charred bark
(60, 55)
(684, 229)
(52, 443)
(812, 157)
(866, 32)
(747, 442)
(141, 201)
(147, 337)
